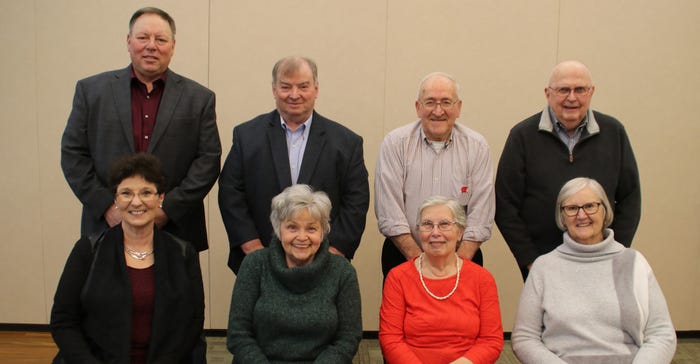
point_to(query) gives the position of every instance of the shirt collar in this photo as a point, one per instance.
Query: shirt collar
(306, 125)
(448, 142)
(557, 124)
(163, 76)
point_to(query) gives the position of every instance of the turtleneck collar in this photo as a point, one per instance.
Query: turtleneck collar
(298, 279)
(599, 251)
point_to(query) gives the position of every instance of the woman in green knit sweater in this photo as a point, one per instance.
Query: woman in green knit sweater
(294, 302)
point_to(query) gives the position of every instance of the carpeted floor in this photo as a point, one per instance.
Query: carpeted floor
(687, 352)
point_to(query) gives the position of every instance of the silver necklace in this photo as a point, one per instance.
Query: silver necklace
(137, 255)
(420, 273)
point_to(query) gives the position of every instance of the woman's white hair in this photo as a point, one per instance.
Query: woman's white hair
(573, 187)
(454, 206)
(298, 198)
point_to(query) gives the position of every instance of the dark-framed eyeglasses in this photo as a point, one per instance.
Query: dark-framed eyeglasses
(445, 104)
(566, 91)
(589, 208)
(428, 226)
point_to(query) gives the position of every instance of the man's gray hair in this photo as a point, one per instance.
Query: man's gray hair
(289, 65)
(437, 74)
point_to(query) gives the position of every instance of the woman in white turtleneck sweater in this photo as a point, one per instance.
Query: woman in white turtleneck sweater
(591, 300)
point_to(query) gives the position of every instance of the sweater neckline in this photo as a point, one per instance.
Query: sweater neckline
(298, 279)
(605, 248)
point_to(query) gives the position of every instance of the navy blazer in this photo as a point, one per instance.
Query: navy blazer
(91, 313)
(257, 169)
(185, 139)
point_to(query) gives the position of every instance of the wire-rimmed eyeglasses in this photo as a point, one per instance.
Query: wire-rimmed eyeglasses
(126, 196)
(566, 91)
(445, 104)
(428, 226)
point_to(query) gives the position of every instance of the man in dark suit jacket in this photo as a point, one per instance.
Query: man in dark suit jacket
(144, 108)
(292, 144)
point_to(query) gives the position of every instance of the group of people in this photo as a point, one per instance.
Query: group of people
(141, 150)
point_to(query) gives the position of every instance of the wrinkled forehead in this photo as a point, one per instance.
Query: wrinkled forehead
(438, 87)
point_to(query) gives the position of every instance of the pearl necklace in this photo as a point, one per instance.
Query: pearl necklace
(420, 273)
(137, 255)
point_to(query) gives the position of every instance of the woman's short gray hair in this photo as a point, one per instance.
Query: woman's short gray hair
(453, 205)
(297, 198)
(573, 187)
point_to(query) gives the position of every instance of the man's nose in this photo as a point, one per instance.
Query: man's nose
(151, 44)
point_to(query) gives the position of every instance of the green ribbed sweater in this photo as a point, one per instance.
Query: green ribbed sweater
(309, 314)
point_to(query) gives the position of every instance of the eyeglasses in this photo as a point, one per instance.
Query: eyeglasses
(589, 208)
(127, 196)
(428, 226)
(566, 91)
(445, 104)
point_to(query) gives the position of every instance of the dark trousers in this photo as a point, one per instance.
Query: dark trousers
(391, 257)
(199, 353)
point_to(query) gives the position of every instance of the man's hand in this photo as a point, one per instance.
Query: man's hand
(408, 247)
(335, 251)
(113, 216)
(161, 218)
(468, 248)
(251, 246)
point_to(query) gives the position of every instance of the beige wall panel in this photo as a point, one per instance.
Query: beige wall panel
(347, 42)
(644, 58)
(371, 56)
(22, 263)
(500, 53)
(86, 38)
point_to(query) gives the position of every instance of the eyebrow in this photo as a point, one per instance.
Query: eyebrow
(284, 83)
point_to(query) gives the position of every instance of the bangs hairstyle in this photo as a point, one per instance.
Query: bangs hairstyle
(297, 198)
(142, 164)
(575, 186)
(457, 209)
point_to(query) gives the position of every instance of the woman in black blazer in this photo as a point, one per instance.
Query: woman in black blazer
(132, 294)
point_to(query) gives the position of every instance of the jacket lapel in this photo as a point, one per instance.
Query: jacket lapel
(161, 284)
(121, 90)
(314, 147)
(168, 103)
(278, 149)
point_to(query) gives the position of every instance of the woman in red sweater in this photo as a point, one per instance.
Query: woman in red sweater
(440, 308)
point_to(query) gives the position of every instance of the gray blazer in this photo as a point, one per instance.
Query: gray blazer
(185, 139)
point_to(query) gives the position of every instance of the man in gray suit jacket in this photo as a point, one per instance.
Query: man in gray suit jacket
(144, 108)
(292, 144)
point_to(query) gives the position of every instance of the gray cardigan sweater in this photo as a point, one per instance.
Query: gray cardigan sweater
(593, 304)
(309, 314)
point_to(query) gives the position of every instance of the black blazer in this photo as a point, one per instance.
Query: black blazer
(257, 169)
(185, 139)
(91, 318)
